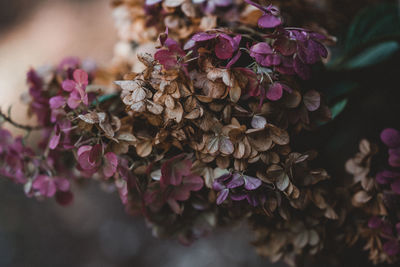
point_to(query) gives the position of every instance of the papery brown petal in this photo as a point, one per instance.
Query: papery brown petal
(223, 162)
(176, 113)
(138, 107)
(154, 107)
(107, 128)
(235, 93)
(260, 140)
(361, 197)
(90, 118)
(188, 9)
(278, 135)
(293, 99)
(144, 148)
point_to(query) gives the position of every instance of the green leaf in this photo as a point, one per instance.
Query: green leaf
(371, 39)
(104, 98)
(338, 108)
(375, 22)
(372, 55)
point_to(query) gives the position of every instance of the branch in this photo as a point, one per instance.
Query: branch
(17, 125)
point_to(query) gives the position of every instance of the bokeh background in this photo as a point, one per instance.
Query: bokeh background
(94, 231)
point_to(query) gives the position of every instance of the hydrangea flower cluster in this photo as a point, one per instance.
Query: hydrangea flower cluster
(202, 136)
(379, 196)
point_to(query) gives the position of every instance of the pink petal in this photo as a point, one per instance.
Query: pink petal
(69, 85)
(81, 77)
(166, 58)
(275, 92)
(62, 184)
(110, 164)
(74, 100)
(95, 153)
(83, 149)
(54, 141)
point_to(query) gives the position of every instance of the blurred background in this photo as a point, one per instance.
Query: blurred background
(94, 231)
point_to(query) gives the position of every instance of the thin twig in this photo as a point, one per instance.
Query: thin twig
(17, 125)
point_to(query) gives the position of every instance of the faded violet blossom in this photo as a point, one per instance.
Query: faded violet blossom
(77, 89)
(91, 160)
(225, 46)
(48, 186)
(391, 138)
(39, 104)
(171, 54)
(271, 17)
(61, 135)
(238, 186)
(293, 51)
(388, 233)
(176, 183)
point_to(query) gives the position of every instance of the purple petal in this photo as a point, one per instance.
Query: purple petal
(375, 222)
(252, 200)
(222, 195)
(224, 177)
(286, 46)
(275, 92)
(218, 186)
(237, 180)
(391, 247)
(224, 48)
(234, 59)
(396, 187)
(261, 48)
(251, 183)
(269, 21)
(391, 137)
(303, 70)
(202, 36)
(166, 58)
(238, 197)
(57, 102)
(394, 160)
(271, 60)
